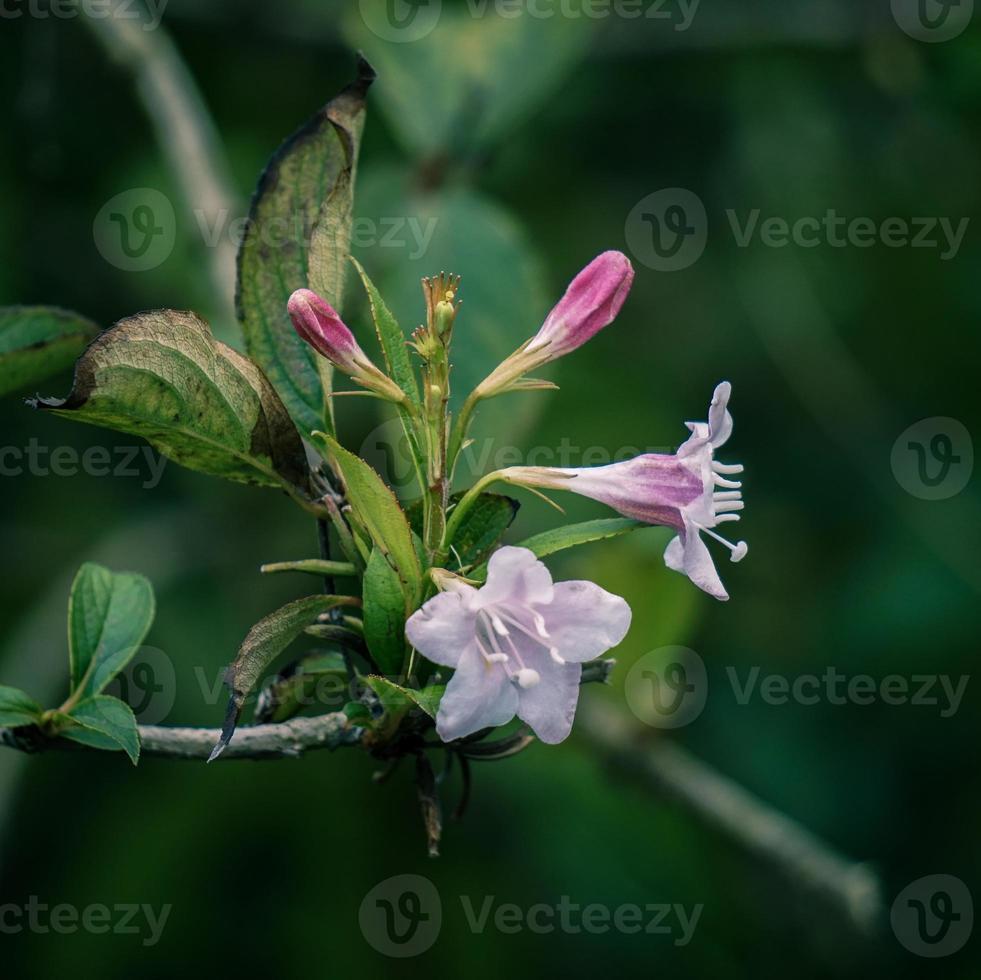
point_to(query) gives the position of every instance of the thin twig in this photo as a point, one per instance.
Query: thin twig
(287, 740)
(851, 888)
(184, 129)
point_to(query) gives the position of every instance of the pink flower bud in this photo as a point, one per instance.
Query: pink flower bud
(591, 302)
(319, 325)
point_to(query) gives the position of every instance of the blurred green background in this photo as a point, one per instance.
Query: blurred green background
(530, 141)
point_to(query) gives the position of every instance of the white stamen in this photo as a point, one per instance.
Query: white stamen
(722, 518)
(554, 654)
(540, 625)
(528, 677)
(729, 505)
(738, 550)
(726, 495)
(721, 482)
(498, 625)
(727, 469)
(496, 658)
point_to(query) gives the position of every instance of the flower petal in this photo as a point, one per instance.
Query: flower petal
(719, 419)
(691, 557)
(479, 695)
(584, 621)
(549, 707)
(443, 628)
(516, 575)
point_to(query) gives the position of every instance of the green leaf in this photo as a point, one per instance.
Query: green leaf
(458, 87)
(16, 708)
(37, 342)
(105, 723)
(428, 698)
(377, 508)
(489, 517)
(384, 614)
(300, 684)
(391, 338)
(398, 701)
(298, 235)
(162, 375)
(264, 642)
(109, 615)
(571, 536)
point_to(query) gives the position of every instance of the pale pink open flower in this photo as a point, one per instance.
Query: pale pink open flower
(591, 302)
(316, 321)
(516, 645)
(689, 491)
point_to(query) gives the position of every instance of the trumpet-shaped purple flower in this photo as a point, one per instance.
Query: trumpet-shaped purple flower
(516, 645)
(689, 491)
(316, 321)
(591, 302)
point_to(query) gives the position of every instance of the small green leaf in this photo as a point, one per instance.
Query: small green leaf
(300, 685)
(484, 526)
(428, 698)
(16, 708)
(489, 517)
(109, 615)
(298, 235)
(357, 713)
(162, 375)
(571, 536)
(105, 723)
(384, 614)
(377, 508)
(264, 642)
(391, 338)
(37, 342)
(397, 700)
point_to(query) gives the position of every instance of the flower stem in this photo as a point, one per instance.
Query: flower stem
(460, 512)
